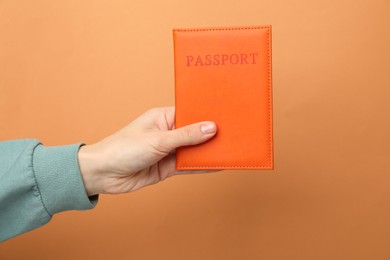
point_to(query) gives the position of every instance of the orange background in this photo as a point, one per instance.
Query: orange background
(75, 71)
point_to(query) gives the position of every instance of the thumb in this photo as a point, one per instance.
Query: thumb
(190, 135)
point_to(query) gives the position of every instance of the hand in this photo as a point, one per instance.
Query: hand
(140, 154)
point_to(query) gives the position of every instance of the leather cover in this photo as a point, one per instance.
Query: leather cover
(224, 75)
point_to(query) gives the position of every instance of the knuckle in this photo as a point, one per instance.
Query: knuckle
(153, 111)
(189, 133)
(161, 145)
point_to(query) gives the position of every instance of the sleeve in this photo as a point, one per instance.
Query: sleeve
(36, 182)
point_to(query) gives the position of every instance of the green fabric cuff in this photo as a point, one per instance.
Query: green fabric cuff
(59, 180)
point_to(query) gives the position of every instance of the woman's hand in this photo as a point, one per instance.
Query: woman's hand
(140, 154)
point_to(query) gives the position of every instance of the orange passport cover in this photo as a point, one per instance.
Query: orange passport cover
(224, 75)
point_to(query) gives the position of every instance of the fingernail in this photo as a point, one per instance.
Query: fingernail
(208, 128)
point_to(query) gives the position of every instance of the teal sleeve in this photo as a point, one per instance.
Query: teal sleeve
(36, 182)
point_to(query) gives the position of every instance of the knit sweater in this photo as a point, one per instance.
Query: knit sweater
(37, 182)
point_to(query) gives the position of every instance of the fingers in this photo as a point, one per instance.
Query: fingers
(167, 168)
(189, 135)
(159, 115)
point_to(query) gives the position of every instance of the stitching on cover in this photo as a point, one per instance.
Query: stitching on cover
(215, 167)
(269, 94)
(221, 29)
(269, 98)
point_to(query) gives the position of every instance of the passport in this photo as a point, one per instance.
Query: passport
(224, 74)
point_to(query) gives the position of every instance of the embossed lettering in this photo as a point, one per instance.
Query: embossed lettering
(199, 61)
(189, 59)
(208, 60)
(243, 58)
(222, 59)
(254, 56)
(216, 59)
(234, 59)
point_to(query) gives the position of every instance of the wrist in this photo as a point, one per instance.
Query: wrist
(89, 168)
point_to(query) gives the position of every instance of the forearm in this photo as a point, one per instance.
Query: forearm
(37, 182)
(89, 162)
